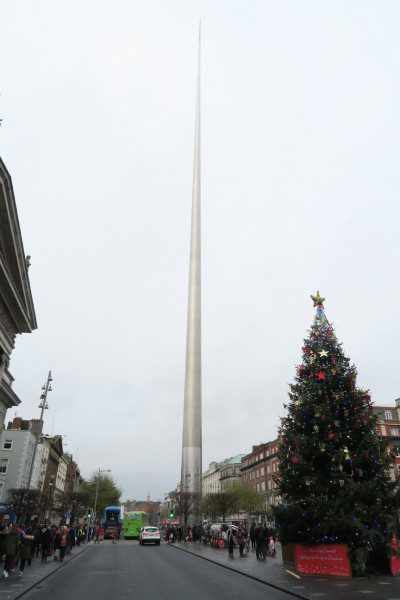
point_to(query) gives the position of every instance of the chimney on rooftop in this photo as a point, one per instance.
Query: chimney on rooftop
(16, 423)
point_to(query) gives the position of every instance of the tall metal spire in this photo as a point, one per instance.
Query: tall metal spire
(191, 474)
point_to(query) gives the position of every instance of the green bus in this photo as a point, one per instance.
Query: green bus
(134, 520)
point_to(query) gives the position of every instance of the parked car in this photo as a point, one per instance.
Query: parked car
(149, 535)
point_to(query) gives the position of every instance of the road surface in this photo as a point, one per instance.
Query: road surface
(126, 570)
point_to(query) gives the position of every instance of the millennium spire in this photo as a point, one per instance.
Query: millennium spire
(191, 474)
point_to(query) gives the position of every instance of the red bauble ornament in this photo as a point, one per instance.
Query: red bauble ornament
(295, 459)
(331, 435)
(366, 455)
(321, 375)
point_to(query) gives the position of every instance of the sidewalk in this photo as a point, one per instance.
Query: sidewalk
(14, 586)
(271, 571)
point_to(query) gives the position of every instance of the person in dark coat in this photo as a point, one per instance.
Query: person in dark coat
(253, 530)
(257, 541)
(241, 539)
(262, 539)
(36, 541)
(3, 536)
(231, 535)
(25, 554)
(45, 542)
(11, 549)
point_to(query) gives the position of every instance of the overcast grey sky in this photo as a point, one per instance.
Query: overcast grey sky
(300, 121)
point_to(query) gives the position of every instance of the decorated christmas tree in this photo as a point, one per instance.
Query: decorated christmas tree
(334, 470)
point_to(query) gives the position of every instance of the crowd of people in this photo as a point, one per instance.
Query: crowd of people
(20, 545)
(261, 537)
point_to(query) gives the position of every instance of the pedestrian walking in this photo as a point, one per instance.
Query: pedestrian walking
(253, 530)
(62, 541)
(241, 539)
(45, 543)
(26, 541)
(3, 537)
(257, 540)
(180, 534)
(263, 540)
(36, 541)
(11, 549)
(231, 539)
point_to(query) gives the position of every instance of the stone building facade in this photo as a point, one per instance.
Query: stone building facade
(17, 313)
(221, 475)
(17, 444)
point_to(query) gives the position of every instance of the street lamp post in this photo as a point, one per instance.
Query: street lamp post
(43, 406)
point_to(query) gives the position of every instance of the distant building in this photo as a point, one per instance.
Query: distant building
(17, 313)
(388, 426)
(211, 481)
(151, 507)
(229, 472)
(52, 484)
(222, 475)
(17, 444)
(258, 470)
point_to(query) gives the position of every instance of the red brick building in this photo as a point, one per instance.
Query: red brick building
(258, 469)
(389, 428)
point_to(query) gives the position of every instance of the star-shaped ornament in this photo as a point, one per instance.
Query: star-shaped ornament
(323, 353)
(312, 358)
(321, 375)
(318, 300)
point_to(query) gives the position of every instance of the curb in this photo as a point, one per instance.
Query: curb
(254, 577)
(31, 587)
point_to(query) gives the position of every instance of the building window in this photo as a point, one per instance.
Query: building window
(1, 490)
(262, 471)
(394, 431)
(263, 486)
(268, 469)
(388, 415)
(3, 465)
(7, 445)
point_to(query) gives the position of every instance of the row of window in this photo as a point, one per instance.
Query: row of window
(260, 456)
(261, 486)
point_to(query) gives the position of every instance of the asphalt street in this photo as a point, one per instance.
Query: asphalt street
(126, 570)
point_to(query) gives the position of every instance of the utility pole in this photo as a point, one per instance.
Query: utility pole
(43, 406)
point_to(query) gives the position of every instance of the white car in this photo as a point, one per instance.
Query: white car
(149, 535)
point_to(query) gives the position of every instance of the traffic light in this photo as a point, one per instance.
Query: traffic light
(171, 516)
(89, 516)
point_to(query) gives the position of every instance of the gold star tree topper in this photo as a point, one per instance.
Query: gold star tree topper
(318, 300)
